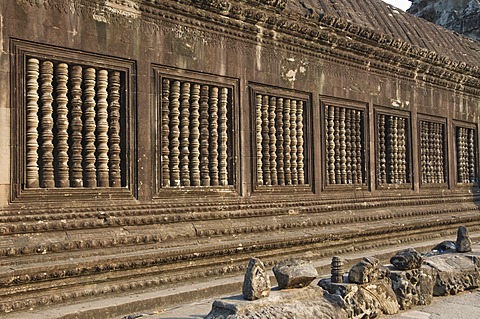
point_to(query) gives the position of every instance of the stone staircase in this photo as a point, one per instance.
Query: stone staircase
(54, 256)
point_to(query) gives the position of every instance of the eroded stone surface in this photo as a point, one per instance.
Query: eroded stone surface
(407, 259)
(364, 271)
(413, 287)
(455, 273)
(362, 301)
(306, 303)
(256, 283)
(294, 273)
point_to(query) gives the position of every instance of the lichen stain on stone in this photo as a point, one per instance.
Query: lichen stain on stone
(292, 69)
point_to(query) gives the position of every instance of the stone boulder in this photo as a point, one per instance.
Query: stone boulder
(365, 271)
(407, 259)
(294, 273)
(464, 243)
(413, 287)
(446, 246)
(256, 283)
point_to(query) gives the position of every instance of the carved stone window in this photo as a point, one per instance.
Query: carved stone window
(466, 154)
(393, 154)
(74, 128)
(195, 144)
(433, 164)
(344, 143)
(280, 142)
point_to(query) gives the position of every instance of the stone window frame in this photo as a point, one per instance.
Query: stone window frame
(382, 110)
(19, 193)
(362, 106)
(160, 192)
(437, 120)
(284, 93)
(468, 125)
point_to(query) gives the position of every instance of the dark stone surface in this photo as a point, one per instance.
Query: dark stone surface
(256, 284)
(364, 271)
(446, 246)
(294, 273)
(407, 259)
(463, 243)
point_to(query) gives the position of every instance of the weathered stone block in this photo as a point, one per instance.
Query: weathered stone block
(364, 271)
(407, 259)
(413, 287)
(455, 273)
(256, 283)
(362, 301)
(306, 303)
(294, 273)
(464, 243)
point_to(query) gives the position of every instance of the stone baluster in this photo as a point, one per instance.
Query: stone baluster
(395, 150)
(175, 133)
(353, 139)
(294, 142)
(185, 134)
(102, 129)
(223, 144)
(336, 117)
(204, 136)
(165, 132)
(258, 131)
(267, 177)
(115, 174)
(287, 141)
(337, 270)
(422, 154)
(460, 167)
(280, 151)
(32, 170)
(360, 161)
(273, 139)
(76, 174)
(195, 136)
(464, 149)
(61, 77)
(300, 143)
(382, 168)
(342, 144)
(348, 146)
(89, 128)
(471, 157)
(331, 144)
(441, 167)
(46, 75)
(213, 128)
(402, 151)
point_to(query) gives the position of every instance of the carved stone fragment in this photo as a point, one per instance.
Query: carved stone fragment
(294, 273)
(407, 259)
(413, 287)
(365, 271)
(256, 283)
(464, 243)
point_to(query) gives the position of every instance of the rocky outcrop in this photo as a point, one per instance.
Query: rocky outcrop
(413, 287)
(462, 16)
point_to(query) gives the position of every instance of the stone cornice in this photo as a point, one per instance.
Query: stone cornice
(331, 37)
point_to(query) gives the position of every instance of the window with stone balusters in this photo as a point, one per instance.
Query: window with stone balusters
(393, 153)
(466, 154)
(73, 119)
(433, 163)
(344, 143)
(195, 133)
(280, 141)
